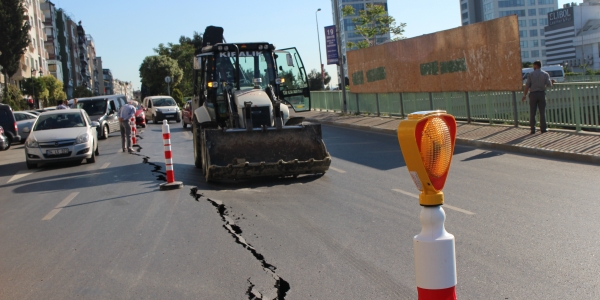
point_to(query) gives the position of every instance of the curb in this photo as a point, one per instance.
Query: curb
(487, 145)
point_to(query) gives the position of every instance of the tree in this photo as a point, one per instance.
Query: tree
(37, 85)
(13, 97)
(372, 22)
(55, 89)
(82, 92)
(527, 65)
(178, 96)
(183, 53)
(153, 71)
(314, 80)
(14, 36)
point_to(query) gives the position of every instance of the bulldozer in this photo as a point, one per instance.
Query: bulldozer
(246, 104)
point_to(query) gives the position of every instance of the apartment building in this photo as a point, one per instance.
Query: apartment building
(98, 77)
(533, 17)
(51, 44)
(34, 60)
(108, 82)
(64, 50)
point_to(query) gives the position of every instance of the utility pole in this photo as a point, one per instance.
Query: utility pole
(341, 56)
(320, 59)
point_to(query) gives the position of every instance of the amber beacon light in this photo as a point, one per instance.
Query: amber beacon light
(427, 141)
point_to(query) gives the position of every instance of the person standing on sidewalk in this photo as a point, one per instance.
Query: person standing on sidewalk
(537, 82)
(125, 114)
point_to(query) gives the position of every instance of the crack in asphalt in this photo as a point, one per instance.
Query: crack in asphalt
(281, 285)
(157, 168)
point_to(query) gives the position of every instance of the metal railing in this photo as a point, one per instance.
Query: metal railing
(569, 105)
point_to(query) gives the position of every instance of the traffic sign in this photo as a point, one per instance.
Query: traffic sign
(168, 79)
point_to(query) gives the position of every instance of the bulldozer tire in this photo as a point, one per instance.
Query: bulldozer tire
(197, 131)
(205, 162)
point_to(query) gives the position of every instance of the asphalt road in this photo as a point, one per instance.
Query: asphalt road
(525, 228)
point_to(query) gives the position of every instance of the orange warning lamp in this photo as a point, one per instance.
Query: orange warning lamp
(427, 142)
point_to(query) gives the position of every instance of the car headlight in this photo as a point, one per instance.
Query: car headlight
(82, 138)
(32, 143)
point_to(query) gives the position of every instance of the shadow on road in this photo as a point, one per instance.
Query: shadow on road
(486, 154)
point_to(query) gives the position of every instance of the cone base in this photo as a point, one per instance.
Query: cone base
(171, 186)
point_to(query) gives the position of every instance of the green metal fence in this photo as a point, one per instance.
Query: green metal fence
(569, 105)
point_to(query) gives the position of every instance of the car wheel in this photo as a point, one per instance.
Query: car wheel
(97, 152)
(184, 124)
(105, 132)
(143, 125)
(154, 119)
(30, 165)
(92, 159)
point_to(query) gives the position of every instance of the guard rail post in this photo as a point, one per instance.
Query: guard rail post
(514, 109)
(468, 107)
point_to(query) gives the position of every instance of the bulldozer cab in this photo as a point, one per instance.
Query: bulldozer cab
(294, 88)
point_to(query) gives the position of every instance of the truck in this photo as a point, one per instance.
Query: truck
(246, 105)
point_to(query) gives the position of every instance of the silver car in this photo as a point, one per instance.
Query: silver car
(61, 135)
(24, 120)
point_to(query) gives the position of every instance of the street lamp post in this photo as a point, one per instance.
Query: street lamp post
(320, 59)
(33, 85)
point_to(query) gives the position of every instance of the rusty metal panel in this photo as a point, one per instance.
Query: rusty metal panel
(484, 56)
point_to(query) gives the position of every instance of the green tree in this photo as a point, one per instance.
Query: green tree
(178, 96)
(183, 53)
(82, 92)
(55, 89)
(314, 80)
(14, 98)
(527, 64)
(372, 22)
(14, 36)
(153, 71)
(37, 85)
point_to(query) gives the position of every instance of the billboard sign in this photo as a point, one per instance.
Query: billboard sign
(483, 56)
(561, 16)
(331, 45)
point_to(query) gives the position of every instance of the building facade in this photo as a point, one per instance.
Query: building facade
(74, 53)
(34, 61)
(572, 36)
(347, 30)
(98, 77)
(533, 17)
(64, 50)
(108, 82)
(84, 69)
(51, 43)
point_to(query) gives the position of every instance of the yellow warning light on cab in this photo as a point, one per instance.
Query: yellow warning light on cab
(427, 141)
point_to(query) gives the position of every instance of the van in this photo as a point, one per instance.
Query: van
(9, 123)
(104, 110)
(556, 73)
(159, 108)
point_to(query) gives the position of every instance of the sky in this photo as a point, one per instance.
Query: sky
(126, 31)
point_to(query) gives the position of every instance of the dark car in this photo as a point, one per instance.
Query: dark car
(186, 114)
(140, 116)
(9, 123)
(3, 140)
(104, 110)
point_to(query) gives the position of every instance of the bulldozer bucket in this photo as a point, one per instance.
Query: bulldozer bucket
(240, 154)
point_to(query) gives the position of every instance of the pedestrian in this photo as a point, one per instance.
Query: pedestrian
(126, 112)
(30, 102)
(537, 82)
(74, 105)
(63, 105)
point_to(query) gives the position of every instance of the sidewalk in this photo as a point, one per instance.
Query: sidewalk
(560, 144)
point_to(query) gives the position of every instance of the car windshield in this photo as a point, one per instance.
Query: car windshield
(253, 65)
(58, 121)
(555, 73)
(163, 102)
(93, 107)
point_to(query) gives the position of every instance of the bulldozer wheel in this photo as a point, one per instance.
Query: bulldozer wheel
(205, 162)
(197, 131)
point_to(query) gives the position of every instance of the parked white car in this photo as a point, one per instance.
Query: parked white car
(557, 73)
(24, 120)
(62, 135)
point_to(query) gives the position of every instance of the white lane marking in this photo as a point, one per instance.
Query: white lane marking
(60, 206)
(337, 170)
(20, 175)
(104, 166)
(464, 211)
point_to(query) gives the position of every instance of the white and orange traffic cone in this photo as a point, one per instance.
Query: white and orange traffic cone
(171, 184)
(133, 131)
